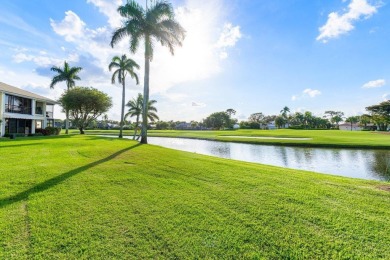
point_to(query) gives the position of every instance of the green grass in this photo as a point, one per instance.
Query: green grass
(319, 138)
(87, 197)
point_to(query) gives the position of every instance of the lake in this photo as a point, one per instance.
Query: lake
(355, 163)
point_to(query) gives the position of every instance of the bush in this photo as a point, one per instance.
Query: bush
(49, 131)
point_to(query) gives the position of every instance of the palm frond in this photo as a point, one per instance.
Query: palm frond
(131, 10)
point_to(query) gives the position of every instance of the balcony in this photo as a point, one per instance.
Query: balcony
(18, 109)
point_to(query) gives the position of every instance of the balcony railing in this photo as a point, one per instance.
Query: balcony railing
(49, 114)
(18, 109)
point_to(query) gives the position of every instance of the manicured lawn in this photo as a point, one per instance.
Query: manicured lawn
(318, 138)
(72, 197)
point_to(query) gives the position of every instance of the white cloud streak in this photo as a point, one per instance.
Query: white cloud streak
(375, 83)
(307, 93)
(338, 24)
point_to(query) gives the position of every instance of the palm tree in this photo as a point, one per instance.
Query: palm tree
(123, 67)
(135, 109)
(69, 75)
(156, 23)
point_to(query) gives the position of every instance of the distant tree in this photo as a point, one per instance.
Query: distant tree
(280, 121)
(230, 112)
(217, 120)
(364, 120)
(85, 105)
(155, 24)
(68, 75)
(257, 118)
(123, 66)
(308, 117)
(335, 117)
(380, 114)
(352, 120)
(194, 124)
(161, 125)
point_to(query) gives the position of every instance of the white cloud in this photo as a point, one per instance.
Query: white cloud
(197, 104)
(228, 38)
(311, 92)
(307, 93)
(375, 83)
(71, 27)
(109, 9)
(41, 58)
(386, 96)
(339, 24)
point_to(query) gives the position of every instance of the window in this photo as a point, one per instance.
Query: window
(38, 124)
(49, 111)
(39, 108)
(50, 122)
(14, 104)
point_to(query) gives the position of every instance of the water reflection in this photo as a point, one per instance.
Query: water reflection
(365, 164)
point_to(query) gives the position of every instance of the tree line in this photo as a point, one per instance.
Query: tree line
(377, 118)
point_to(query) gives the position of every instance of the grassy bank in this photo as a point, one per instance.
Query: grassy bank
(316, 138)
(90, 197)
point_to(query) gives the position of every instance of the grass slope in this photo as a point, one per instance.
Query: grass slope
(319, 138)
(89, 197)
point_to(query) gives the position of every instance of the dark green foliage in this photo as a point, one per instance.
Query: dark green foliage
(218, 120)
(85, 105)
(380, 114)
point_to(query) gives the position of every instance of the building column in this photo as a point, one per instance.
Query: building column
(2, 110)
(33, 126)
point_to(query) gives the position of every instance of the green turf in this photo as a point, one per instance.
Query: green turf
(319, 138)
(88, 197)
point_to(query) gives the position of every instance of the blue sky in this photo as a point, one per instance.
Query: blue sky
(249, 55)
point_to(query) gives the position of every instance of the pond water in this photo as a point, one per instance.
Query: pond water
(355, 163)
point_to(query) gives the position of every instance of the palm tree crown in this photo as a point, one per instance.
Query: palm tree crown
(123, 66)
(67, 74)
(156, 23)
(136, 107)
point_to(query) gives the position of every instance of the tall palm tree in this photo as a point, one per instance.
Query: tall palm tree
(123, 67)
(135, 109)
(69, 75)
(156, 23)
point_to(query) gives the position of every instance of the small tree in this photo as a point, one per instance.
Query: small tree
(217, 120)
(352, 120)
(381, 114)
(85, 105)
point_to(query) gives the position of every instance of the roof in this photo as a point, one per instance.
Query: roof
(23, 93)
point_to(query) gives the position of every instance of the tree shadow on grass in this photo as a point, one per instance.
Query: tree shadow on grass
(58, 179)
(19, 145)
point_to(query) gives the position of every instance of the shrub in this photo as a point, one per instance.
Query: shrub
(49, 131)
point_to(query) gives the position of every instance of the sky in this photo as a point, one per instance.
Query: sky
(248, 55)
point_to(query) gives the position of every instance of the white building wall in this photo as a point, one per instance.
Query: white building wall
(2, 104)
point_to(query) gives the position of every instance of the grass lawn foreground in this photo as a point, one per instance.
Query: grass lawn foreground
(90, 197)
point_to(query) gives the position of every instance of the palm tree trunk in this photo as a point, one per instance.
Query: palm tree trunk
(144, 131)
(67, 122)
(67, 112)
(136, 127)
(123, 109)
